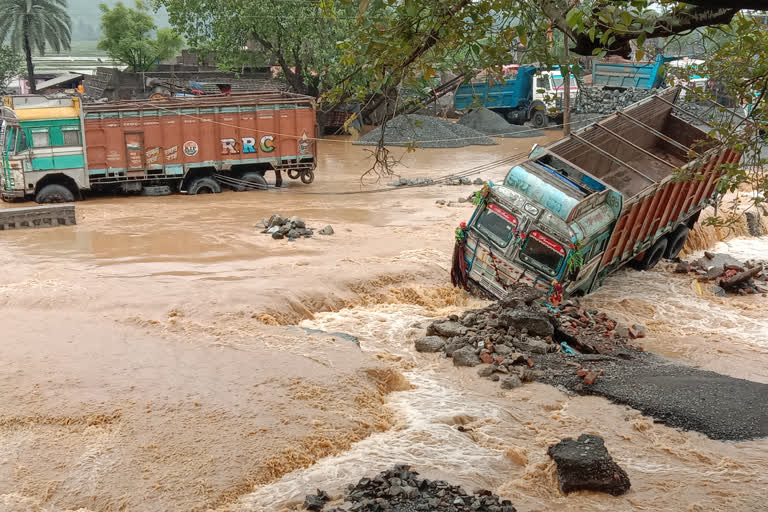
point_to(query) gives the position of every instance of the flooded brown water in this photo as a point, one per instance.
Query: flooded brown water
(152, 359)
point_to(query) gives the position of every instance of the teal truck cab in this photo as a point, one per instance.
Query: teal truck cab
(586, 205)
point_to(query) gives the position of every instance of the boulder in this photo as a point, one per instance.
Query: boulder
(486, 371)
(327, 230)
(536, 323)
(465, 357)
(637, 331)
(297, 222)
(585, 464)
(430, 344)
(277, 235)
(535, 346)
(511, 382)
(447, 329)
(275, 220)
(454, 345)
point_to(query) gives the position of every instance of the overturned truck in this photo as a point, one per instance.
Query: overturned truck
(624, 190)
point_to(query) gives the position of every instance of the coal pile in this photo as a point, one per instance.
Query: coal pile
(425, 132)
(518, 339)
(584, 464)
(726, 274)
(401, 490)
(490, 123)
(290, 227)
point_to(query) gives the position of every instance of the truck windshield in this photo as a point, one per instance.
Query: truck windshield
(497, 225)
(543, 253)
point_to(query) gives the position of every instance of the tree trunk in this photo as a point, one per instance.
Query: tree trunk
(30, 66)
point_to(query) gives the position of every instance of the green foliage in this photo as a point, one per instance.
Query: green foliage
(35, 25)
(127, 37)
(11, 65)
(298, 36)
(737, 66)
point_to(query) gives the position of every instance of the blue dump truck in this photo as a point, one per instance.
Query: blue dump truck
(512, 97)
(586, 205)
(623, 75)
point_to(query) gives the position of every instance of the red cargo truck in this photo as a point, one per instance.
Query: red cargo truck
(189, 145)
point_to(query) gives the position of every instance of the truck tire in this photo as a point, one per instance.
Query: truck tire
(676, 241)
(307, 177)
(294, 174)
(539, 119)
(54, 193)
(255, 181)
(653, 255)
(204, 185)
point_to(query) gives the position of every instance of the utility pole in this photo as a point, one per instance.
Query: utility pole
(566, 88)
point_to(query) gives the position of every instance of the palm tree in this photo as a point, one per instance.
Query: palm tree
(35, 24)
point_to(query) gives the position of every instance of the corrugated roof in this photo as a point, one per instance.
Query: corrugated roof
(59, 80)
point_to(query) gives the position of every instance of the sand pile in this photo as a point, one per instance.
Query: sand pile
(490, 123)
(425, 132)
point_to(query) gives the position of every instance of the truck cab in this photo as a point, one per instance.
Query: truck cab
(549, 88)
(545, 216)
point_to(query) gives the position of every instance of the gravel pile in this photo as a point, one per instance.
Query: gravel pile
(490, 123)
(598, 100)
(425, 132)
(290, 227)
(401, 490)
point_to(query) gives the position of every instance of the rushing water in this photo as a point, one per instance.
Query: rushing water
(138, 370)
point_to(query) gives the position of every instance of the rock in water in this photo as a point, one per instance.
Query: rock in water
(585, 464)
(316, 501)
(430, 344)
(447, 329)
(327, 230)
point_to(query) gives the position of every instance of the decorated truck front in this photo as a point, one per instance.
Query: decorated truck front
(562, 229)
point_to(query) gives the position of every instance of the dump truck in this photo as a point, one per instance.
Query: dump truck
(615, 74)
(57, 149)
(584, 206)
(512, 97)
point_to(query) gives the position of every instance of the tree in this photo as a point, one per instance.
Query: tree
(299, 36)
(126, 37)
(11, 66)
(35, 25)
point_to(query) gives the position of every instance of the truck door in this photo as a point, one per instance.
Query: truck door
(583, 276)
(134, 153)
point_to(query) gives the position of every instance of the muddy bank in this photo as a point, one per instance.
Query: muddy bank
(519, 340)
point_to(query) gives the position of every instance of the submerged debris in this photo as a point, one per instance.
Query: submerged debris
(425, 132)
(727, 274)
(401, 490)
(290, 227)
(584, 464)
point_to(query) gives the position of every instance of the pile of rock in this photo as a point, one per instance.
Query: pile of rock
(599, 100)
(489, 122)
(449, 180)
(290, 227)
(728, 274)
(401, 490)
(513, 336)
(411, 182)
(424, 132)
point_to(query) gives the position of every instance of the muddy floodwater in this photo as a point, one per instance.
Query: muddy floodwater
(164, 354)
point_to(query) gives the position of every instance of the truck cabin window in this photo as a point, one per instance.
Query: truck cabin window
(497, 225)
(543, 253)
(22, 145)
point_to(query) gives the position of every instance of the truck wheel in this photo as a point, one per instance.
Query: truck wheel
(676, 241)
(255, 181)
(539, 119)
(653, 255)
(204, 185)
(54, 194)
(307, 177)
(294, 174)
